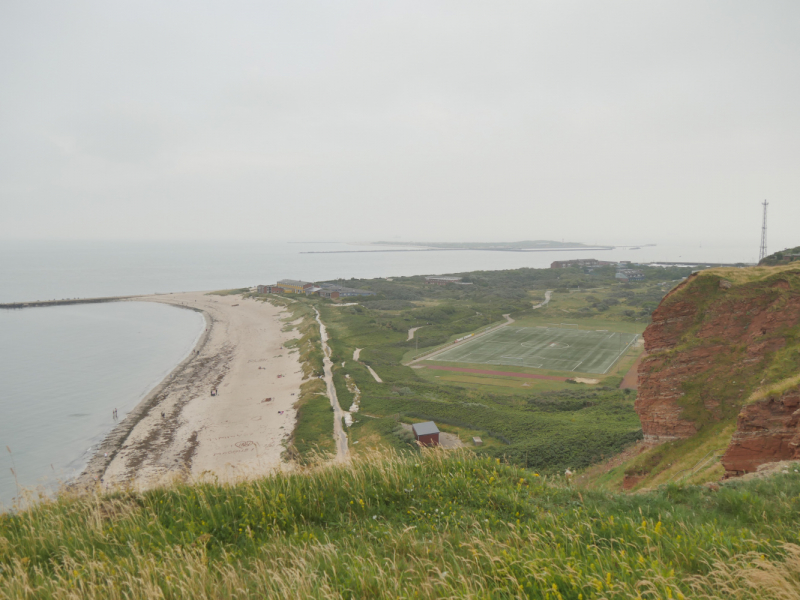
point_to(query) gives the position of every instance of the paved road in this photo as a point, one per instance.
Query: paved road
(342, 450)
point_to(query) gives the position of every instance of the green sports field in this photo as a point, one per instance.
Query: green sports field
(552, 348)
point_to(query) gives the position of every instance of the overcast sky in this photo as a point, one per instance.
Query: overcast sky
(614, 122)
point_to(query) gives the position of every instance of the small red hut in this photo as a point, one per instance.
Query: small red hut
(427, 433)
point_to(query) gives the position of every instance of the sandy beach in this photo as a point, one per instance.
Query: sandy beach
(180, 429)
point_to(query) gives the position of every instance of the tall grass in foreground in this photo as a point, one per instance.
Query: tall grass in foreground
(419, 526)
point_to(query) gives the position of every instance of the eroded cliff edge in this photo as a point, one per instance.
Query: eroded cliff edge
(724, 346)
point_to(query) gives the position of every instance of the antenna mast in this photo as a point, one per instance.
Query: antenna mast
(763, 251)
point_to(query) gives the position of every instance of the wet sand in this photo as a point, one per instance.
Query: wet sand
(181, 430)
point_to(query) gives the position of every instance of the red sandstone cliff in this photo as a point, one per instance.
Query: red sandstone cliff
(714, 341)
(766, 431)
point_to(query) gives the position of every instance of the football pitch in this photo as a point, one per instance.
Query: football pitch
(552, 348)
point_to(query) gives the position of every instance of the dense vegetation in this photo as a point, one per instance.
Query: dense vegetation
(782, 257)
(427, 526)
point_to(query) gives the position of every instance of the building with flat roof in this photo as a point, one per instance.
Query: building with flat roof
(269, 289)
(294, 286)
(625, 275)
(579, 262)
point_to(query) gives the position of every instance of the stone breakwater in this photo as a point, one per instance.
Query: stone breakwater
(64, 302)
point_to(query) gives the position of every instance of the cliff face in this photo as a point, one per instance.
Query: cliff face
(720, 338)
(766, 431)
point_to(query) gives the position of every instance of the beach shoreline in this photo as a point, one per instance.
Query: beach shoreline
(179, 430)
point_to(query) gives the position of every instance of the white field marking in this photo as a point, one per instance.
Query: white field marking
(557, 363)
(580, 362)
(594, 350)
(635, 335)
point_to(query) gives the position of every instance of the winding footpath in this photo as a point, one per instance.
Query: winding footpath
(411, 332)
(342, 450)
(547, 295)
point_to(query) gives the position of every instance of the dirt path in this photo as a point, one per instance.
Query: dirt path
(411, 332)
(374, 374)
(547, 295)
(631, 379)
(356, 354)
(342, 450)
(503, 373)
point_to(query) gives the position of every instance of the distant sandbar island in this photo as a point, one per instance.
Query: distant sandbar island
(524, 246)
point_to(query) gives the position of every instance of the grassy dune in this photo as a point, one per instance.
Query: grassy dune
(428, 525)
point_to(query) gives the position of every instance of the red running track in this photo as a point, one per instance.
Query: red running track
(503, 373)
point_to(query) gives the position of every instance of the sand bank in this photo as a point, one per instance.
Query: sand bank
(180, 429)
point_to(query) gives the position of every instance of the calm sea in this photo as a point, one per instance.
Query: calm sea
(64, 369)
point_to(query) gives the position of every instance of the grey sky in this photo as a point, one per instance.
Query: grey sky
(616, 122)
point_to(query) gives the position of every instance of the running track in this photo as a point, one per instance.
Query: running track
(503, 373)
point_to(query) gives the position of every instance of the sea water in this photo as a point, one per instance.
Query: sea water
(64, 369)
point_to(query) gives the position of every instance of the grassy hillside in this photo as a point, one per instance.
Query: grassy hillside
(778, 258)
(416, 526)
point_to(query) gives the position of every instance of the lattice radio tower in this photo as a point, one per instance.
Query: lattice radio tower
(763, 251)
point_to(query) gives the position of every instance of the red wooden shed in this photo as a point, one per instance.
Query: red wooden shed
(427, 433)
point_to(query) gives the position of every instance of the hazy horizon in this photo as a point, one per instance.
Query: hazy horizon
(603, 123)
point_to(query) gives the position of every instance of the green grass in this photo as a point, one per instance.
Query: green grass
(556, 349)
(691, 460)
(232, 292)
(313, 432)
(547, 318)
(427, 525)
